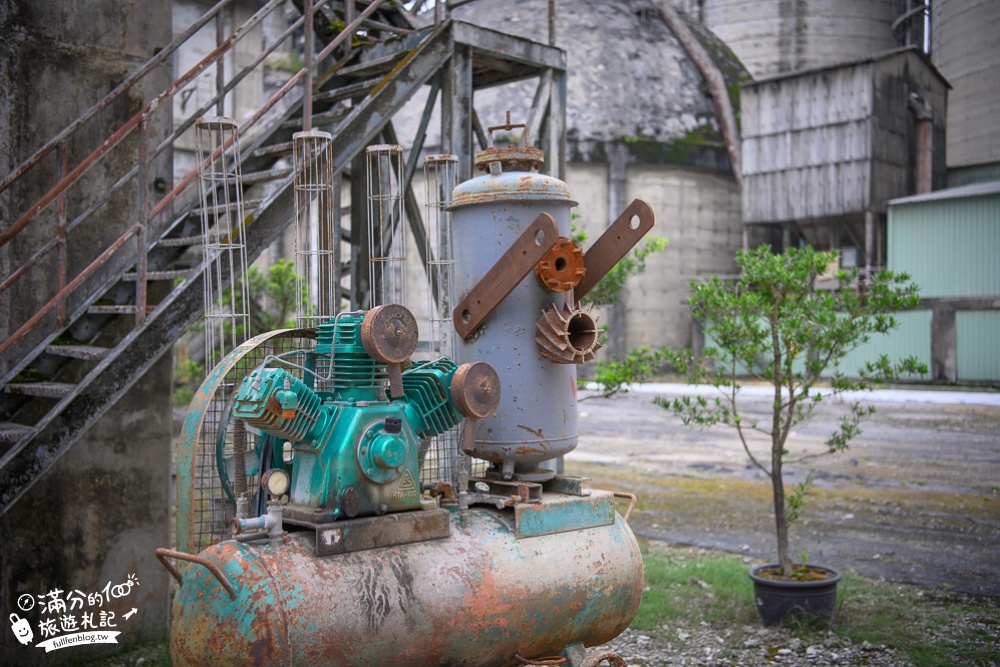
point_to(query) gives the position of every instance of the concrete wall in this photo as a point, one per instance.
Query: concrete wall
(97, 515)
(700, 215)
(56, 60)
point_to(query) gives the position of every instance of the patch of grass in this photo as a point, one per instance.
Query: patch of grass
(711, 589)
(934, 628)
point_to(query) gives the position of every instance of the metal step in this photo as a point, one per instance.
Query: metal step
(11, 432)
(332, 117)
(125, 309)
(248, 204)
(87, 352)
(345, 92)
(180, 242)
(41, 389)
(266, 176)
(158, 275)
(274, 150)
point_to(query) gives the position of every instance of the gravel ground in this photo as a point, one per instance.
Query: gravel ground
(747, 646)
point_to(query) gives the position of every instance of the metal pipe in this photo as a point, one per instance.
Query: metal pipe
(924, 115)
(163, 554)
(307, 94)
(552, 22)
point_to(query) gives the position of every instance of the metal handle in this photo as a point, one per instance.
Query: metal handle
(631, 505)
(163, 554)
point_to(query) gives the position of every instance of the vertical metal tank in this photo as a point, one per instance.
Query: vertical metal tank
(537, 416)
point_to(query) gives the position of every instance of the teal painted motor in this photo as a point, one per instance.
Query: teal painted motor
(356, 445)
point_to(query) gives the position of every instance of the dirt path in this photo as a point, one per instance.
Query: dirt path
(916, 498)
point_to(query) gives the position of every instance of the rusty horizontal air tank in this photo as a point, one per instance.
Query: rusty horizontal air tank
(477, 598)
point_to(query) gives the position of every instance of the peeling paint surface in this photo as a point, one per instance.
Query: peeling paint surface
(475, 599)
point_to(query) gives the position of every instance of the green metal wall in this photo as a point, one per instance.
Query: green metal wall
(951, 247)
(978, 342)
(912, 338)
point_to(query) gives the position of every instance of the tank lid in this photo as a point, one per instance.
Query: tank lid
(509, 174)
(510, 186)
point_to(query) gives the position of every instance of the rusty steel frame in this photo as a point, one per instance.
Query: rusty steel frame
(443, 52)
(57, 193)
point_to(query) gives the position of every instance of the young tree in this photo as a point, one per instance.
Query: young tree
(772, 324)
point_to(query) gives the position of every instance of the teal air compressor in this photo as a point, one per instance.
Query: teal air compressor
(354, 559)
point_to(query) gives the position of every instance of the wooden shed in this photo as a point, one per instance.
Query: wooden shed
(824, 150)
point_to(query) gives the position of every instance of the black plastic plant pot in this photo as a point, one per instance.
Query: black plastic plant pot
(809, 602)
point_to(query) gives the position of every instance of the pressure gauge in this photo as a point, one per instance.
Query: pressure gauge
(275, 482)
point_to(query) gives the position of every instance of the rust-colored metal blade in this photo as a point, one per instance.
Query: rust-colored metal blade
(519, 260)
(614, 244)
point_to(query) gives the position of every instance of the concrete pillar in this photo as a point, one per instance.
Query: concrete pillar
(97, 515)
(944, 344)
(617, 182)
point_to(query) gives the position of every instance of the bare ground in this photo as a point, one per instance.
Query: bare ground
(916, 499)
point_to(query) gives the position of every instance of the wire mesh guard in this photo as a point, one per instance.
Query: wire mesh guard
(440, 459)
(220, 185)
(208, 441)
(317, 233)
(386, 234)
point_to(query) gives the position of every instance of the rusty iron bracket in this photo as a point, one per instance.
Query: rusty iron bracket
(163, 554)
(615, 242)
(519, 260)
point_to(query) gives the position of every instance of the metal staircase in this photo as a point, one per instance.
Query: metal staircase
(65, 366)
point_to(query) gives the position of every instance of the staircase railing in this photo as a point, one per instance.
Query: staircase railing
(70, 286)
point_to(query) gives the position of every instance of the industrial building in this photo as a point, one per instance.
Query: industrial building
(817, 122)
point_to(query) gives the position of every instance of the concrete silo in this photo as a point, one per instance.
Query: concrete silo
(778, 36)
(963, 46)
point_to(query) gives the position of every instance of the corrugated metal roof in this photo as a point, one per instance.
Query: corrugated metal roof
(972, 190)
